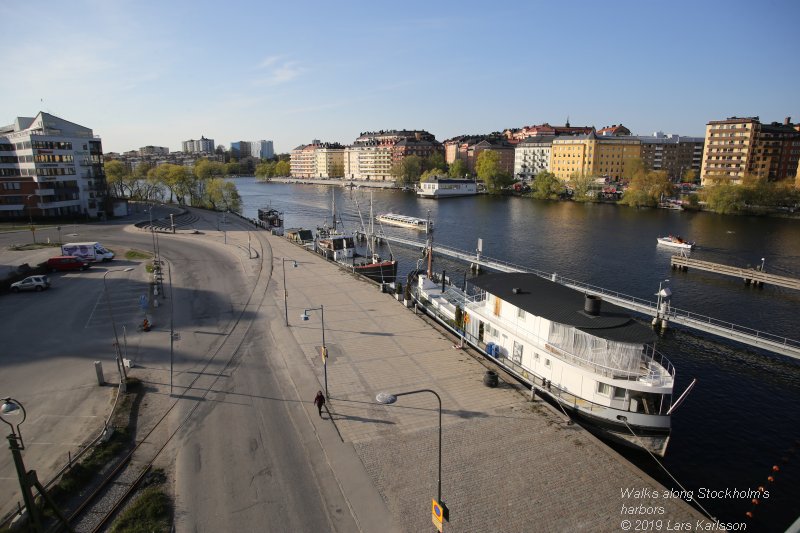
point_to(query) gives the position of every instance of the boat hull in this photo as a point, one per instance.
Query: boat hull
(382, 272)
(665, 241)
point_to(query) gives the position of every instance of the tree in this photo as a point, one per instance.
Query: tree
(689, 176)
(233, 169)
(458, 169)
(222, 195)
(647, 188)
(408, 170)
(116, 176)
(282, 168)
(488, 169)
(434, 162)
(266, 169)
(546, 186)
(581, 184)
(428, 174)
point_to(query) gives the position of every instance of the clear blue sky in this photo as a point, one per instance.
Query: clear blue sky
(158, 73)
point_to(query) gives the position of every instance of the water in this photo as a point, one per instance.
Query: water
(741, 418)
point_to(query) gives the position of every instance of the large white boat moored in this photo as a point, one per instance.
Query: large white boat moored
(590, 356)
(404, 221)
(446, 188)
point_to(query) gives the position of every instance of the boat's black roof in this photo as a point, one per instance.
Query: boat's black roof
(558, 303)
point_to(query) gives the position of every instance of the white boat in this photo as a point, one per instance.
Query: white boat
(590, 357)
(404, 221)
(676, 242)
(446, 188)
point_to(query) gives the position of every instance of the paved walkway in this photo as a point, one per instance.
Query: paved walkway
(507, 464)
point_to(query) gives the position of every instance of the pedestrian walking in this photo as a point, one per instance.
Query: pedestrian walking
(319, 401)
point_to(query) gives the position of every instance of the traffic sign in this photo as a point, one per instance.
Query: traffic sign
(143, 302)
(323, 352)
(437, 514)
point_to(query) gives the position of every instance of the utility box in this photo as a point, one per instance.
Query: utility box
(98, 368)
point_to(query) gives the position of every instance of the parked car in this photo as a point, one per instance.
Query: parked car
(31, 283)
(67, 262)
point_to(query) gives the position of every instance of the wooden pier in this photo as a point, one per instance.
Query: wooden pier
(748, 275)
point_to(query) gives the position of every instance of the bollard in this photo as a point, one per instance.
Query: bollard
(98, 368)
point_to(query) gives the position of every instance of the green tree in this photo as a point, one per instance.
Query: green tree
(233, 169)
(116, 177)
(408, 170)
(434, 162)
(721, 196)
(581, 185)
(546, 186)
(647, 188)
(488, 168)
(458, 169)
(283, 168)
(266, 169)
(428, 174)
(689, 176)
(222, 195)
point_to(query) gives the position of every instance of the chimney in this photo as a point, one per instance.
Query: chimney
(787, 121)
(591, 305)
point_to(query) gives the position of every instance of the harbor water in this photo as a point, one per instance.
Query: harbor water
(741, 419)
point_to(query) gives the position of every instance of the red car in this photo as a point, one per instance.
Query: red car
(66, 262)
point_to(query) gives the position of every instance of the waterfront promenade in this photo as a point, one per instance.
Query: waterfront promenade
(507, 464)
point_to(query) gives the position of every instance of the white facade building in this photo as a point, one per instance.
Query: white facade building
(50, 167)
(201, 145)
(532, 156)
(262, 149)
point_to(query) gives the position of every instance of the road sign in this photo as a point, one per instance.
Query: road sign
(143, 302)
(437, 514)
(323, 352)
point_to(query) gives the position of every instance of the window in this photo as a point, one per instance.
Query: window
(517, 354)
(521, 313)
(604, 389)
(547, 362)
(619, 393)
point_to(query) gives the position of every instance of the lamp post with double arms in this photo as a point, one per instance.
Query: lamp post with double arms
(286, 294)
(27, 479)
(120, 367)
(387, 398)
(324, 348)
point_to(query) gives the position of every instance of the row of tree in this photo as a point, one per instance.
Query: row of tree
(753, 195)
(200, 186)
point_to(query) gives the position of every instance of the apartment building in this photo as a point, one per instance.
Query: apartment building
(373, 154)
(593, 155)
(738, 146)
(329, 160)
(520, 134)
(303, 161)
(532, 156)
(672, 154)
(50, 167)
(468, 147)
(200, 146)
(153, 150)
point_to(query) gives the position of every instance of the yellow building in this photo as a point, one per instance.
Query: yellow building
(593, 155)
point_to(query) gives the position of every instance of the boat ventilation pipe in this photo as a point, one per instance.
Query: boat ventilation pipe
(516, 290)
(591, 305)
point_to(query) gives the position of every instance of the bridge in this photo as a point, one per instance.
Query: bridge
(749, 275)
(663, 313)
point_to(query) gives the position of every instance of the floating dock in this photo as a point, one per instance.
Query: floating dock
(748, 275)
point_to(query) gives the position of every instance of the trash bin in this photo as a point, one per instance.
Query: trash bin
(490, 378)
(490, 349)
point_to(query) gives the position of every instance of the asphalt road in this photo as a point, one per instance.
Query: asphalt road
(246, 457)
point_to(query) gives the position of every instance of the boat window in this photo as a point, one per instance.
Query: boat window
(604, 389)
(619, 393)
(520, 313)
(547, 362)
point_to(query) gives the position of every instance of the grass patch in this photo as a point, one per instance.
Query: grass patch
(152, 511)
(137, 254)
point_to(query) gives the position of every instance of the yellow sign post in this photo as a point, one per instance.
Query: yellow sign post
(437, 515)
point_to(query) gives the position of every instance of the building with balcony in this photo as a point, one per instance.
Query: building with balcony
(468, 147)
(373, 154)
(672, 154)
(532, 156)
(153, 150)
(520, 134)
(740, 146)
(200, 146)
(593, 155)
(50, 167)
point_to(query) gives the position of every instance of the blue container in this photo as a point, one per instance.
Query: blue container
(490, 348)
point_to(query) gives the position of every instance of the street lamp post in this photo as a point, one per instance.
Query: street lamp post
(27, 479)
(762, 264)
(388, 399)
(286, 294)
(120, 367)
(305, 316)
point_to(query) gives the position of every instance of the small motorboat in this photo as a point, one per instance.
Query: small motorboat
(676, 242)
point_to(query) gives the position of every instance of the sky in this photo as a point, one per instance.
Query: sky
(158, 73)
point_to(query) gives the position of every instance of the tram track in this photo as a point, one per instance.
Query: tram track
(95, 512)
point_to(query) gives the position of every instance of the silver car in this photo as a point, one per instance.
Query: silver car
(31, 283)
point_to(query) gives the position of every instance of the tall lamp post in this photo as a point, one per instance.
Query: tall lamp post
(120, 367)
(324, 350)
(286, 294)
(387, 398)
(27, 479)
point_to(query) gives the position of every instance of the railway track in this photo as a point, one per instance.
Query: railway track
(100, 506)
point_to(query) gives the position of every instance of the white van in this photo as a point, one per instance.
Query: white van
(89, 251)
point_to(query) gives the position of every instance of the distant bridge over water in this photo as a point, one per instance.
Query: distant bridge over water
(728, 330)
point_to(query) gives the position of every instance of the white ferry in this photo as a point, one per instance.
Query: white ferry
(675, 242)
(446, 188)
(590, 357)
(404, 221)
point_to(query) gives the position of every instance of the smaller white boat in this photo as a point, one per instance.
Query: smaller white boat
(676, 242)
(404, 221)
